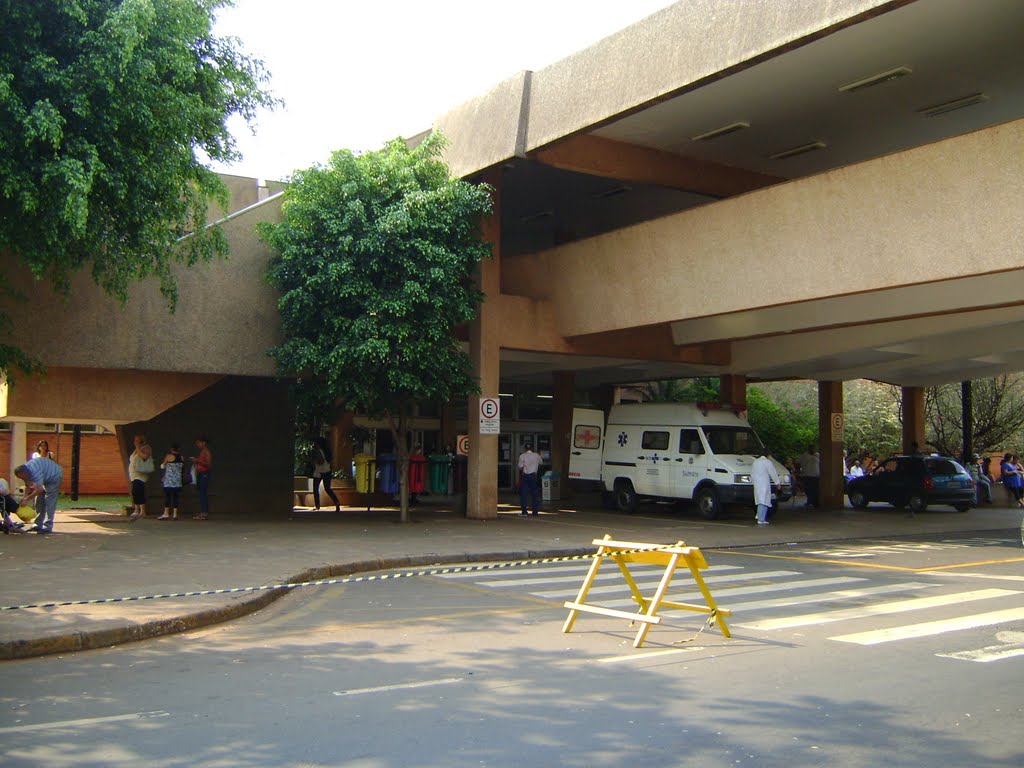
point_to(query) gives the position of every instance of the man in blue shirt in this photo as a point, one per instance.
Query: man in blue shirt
(42, 477)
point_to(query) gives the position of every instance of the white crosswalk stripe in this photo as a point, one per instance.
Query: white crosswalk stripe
(879, 609)
(927, 628)
(768, 592)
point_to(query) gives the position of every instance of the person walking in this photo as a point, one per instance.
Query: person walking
(42, 478)
(529, 464)
(764, 477)
(810, 469)
(140, 467)
(320, 458)
(173, 466)
(201, 464)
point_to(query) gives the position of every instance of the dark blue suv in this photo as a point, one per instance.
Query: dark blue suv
(915, 482)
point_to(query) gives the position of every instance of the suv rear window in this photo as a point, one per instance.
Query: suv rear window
(942, 467)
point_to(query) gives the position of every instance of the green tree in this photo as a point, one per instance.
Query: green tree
(872, 419)
(105, 106)
(998, 414)
(785, 429)
(681, 390)
(375, 258)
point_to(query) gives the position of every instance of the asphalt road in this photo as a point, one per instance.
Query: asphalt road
(904, 652)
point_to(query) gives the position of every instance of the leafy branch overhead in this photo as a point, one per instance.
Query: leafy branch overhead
(106, 107)
(376, 254)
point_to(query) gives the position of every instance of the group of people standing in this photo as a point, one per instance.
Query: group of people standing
(141, 466)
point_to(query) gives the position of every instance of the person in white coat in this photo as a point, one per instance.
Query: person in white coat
(764, 476)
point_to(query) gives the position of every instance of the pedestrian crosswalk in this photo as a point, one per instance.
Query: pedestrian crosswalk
(774, 600)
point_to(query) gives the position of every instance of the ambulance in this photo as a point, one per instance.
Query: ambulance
(700, 452)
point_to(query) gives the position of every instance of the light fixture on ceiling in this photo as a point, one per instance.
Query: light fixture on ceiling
(725, 130)
(873, 80)
(950, 106)
(545, 397)
(803, 149)
(536, 216)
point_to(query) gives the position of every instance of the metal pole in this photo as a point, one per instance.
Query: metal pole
(967, 404)
(76, 457)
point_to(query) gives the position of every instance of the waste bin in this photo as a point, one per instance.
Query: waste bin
(438, 465)
(551, 487)
(365, 471)
(417, 473)
(388, 465)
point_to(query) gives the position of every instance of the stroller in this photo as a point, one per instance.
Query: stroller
(11, 521)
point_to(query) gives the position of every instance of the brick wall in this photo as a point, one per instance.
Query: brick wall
(101, 470)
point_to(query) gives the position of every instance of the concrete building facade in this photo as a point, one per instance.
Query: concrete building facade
(751, 189)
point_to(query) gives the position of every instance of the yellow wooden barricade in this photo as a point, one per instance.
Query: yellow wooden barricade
(670, 556)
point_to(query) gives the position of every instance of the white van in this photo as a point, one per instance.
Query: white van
(693, 451)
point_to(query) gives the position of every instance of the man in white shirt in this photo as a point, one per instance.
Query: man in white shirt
(810, 469)
(529, 465)
(764, 476)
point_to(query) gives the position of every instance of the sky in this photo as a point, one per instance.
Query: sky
(357, 73)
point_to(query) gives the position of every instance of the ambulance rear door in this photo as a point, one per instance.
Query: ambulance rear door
(586, 444)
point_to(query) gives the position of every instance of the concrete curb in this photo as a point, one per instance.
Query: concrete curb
(87, 640)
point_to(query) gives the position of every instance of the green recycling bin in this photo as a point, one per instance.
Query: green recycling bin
(438, 465)
(366, 468)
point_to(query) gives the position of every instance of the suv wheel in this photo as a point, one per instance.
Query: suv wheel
(859, 500)
(917, 503)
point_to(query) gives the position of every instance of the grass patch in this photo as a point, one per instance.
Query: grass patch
(99, 503)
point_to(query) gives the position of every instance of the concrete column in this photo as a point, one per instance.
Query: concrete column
(732, 389)
(449, 430)
(564, 391)
(484, 353)
(19, 451)
(830, 441)
(913, 418)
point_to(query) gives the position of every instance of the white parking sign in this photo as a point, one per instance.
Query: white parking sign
(490, 416)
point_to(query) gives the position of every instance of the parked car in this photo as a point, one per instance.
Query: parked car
(915, 482)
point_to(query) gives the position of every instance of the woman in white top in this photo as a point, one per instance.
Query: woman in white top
(140, 465)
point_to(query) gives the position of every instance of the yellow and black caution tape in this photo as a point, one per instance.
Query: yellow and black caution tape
(317, 583)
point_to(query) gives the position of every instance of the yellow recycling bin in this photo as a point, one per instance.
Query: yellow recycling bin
(366, 470)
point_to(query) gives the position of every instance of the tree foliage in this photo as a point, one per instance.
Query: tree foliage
(104, 105)
(375, 258)
(873, 423)
(785, 429)
(998, 414)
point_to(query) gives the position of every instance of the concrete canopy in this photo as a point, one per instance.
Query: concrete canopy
(780, 190)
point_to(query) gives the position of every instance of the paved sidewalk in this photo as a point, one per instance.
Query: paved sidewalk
(95, 555)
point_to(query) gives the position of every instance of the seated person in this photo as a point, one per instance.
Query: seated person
(8, 508)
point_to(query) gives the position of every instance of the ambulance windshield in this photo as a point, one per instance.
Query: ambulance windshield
(736, 440)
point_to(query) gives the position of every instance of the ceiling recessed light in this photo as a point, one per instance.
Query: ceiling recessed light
(873, 80)
(951, 106)
(803, 149)
(725, 130)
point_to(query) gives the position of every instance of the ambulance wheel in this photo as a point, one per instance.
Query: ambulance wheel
(625, 497)
(708, 504)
